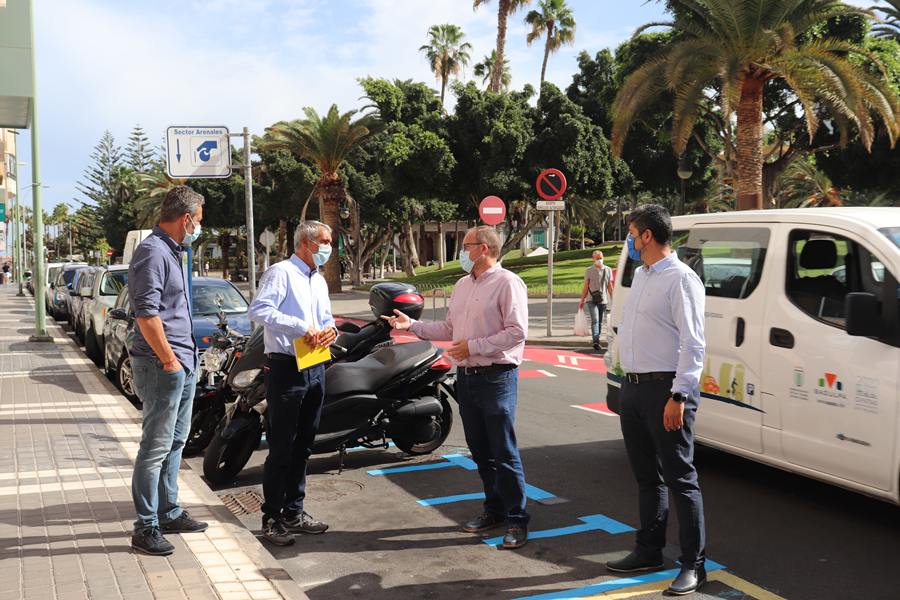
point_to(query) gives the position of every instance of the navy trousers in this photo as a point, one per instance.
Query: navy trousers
(295, 406)
(662, 461)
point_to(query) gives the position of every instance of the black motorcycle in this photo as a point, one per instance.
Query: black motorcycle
(399, 392)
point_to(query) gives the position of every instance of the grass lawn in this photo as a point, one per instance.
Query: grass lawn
(568, 270)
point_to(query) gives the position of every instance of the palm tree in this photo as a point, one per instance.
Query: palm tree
(730, 50)
(505, 8)
(890, 28)
(149, 196)
(325, 142)
(485, 70)
(805, 186)
(555, 19)
(446, 52)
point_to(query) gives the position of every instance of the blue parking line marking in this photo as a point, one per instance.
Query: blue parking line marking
(461, 461)
(449, 499)
(537, 493)
(616, 584)
(412, 468)
(591, 523)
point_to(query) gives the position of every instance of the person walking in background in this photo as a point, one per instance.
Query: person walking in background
(661, 345)
(292, 303)
(6, 273)
(488, 322)
(598, 283)
(164, 363)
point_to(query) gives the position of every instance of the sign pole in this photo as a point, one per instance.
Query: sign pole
(550, 277)
(551, 185)
(248, 190)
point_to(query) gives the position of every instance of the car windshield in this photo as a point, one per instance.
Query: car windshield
(205, 299)
(113, 283)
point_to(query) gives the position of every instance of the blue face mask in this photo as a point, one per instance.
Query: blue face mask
(321, 257)
(190, 238)
(632, 253)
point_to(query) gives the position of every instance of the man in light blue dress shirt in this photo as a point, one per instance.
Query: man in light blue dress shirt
(292, 303)
(661, 348)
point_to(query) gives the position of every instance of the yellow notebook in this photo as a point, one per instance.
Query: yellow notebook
(307, 357)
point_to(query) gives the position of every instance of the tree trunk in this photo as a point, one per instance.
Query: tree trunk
(387, 247)
(568, 234)
(225, 244)
(513, 240)
(408, 250)
(456, 243)
(497, 73)
(750, 145)
(441, 251)
(331, 192)
(282, 235)
(523, 244)
(443, 87)
(546, 56)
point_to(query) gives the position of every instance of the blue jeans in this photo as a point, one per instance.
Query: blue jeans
(168, 397)
(662, 461)
(295, 402)
(596, 311)
(487, 407)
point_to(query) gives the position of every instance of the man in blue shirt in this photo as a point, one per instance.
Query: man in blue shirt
(661, 348)
(292, 303)
(164, 362)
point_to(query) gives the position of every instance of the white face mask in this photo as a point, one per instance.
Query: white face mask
(599, 263)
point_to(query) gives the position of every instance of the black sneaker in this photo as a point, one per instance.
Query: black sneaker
(304, 523)
(483, 523)
(596, 346)
(151, 541)
(183, 524)
(276, 532)
(516, 536)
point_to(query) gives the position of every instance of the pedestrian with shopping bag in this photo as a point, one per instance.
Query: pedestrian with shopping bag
(598, 282)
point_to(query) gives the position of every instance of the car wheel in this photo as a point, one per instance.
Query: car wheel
(125, 379)
(91, 348)
(107, 366)
(79, 332)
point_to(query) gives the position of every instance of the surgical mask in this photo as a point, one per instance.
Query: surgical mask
(634, 254)
(190, 238)
(465, 262)
(599, 263)
(321, 257)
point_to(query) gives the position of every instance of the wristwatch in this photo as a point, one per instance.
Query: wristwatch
(678, 397)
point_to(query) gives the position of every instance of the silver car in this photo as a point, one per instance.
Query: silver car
(96, 300)
(85, 281)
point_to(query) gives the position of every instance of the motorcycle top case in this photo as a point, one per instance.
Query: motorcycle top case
(385, 297)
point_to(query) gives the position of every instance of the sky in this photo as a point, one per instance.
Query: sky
(111, 65)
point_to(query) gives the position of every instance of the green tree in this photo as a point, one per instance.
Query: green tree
(100, 186)
(59, 216)
(505, 8)
(485, 70)
(446, 52)
(555, 21)
(890, 26)
(138, 153)
(731, 51)
(324, 142)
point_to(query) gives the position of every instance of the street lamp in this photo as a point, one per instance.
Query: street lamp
(684, 171)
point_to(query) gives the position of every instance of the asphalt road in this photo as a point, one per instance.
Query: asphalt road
(776, 534)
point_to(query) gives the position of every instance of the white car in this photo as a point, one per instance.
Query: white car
(803, 339)
(97, 299)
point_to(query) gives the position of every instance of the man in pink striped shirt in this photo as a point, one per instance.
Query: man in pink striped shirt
(488, 323)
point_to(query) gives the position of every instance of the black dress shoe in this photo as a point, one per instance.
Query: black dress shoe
(688, 581)
(633, 562)
(183, 524)
(151, 541)
(483, 523)
(516, 536)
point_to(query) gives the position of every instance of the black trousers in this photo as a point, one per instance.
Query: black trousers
(662, 461)
(295, 405)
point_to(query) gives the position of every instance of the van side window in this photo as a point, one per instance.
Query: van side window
(729, 261)
(822, 269)
(678, 239)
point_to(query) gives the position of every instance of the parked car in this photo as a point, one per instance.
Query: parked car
(85, 280)
(118, 328)
(58, 291)
(51, 270)
(70, 296)
(96, 300)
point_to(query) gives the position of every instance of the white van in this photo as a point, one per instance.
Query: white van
(134, 238)
(803, 339)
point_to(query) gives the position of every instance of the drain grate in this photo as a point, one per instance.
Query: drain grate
(243, 504)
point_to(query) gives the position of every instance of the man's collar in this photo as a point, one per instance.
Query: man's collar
(487, 273)
(664, 263)
(175, 246)
(304, 268)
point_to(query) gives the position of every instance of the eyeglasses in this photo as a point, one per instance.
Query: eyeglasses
(465, 246)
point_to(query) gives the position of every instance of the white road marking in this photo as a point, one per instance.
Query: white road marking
(593, 410)
(568, 367)
(547, 373)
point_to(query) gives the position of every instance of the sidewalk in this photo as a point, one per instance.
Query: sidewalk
(67, 445)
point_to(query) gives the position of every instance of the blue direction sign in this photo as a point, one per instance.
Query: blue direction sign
(197, 151)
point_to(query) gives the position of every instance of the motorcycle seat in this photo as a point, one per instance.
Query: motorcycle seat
(370, 374)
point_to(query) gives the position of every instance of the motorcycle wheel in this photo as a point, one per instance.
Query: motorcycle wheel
(446, 423)
(206, 415)
(225, 458)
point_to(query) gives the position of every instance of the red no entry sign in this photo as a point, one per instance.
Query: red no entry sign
(551, 184)
(492, 210)
(109, 252)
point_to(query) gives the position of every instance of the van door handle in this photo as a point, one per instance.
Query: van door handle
(781, 338)
(739, 339)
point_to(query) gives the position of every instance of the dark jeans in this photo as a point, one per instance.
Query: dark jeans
(487, 407)
(295, 405)
(661, 461)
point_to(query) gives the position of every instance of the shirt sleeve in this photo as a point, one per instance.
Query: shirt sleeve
(326, 318)
(439, 332)
(514, 308)
(265, 306)
(146, 281)
(688, 307)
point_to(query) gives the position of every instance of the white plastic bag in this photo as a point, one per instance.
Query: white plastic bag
(582, 328)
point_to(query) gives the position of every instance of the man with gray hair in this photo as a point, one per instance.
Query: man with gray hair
(292, 303)
(164, 362)
(599, 284)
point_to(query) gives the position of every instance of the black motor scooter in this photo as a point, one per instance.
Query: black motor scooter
(400, 392)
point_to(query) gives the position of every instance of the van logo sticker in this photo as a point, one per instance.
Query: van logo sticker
(831, 391)
(750, 389)
(794, 392)
(709, 385)
(711, 388)
(866, 398)
(844, 438)
(798, 376)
